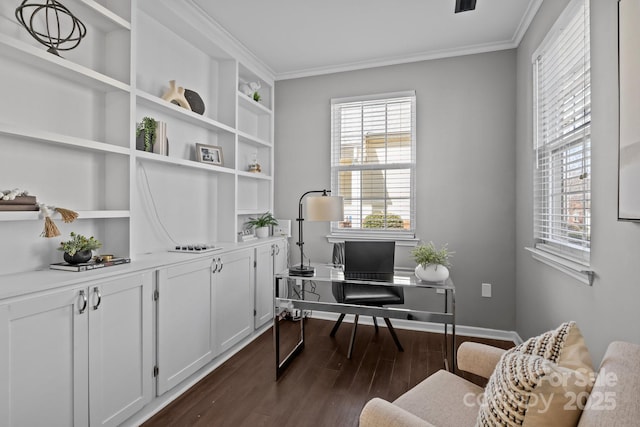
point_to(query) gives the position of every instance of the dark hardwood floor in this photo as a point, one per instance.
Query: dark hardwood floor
(321, 387)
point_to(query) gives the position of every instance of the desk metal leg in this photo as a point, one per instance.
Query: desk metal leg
(446, 343)
(453, 331)
(452, 367)
(281, 366)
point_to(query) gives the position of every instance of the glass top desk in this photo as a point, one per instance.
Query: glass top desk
(315, 293)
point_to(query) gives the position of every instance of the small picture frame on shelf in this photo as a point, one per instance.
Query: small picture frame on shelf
(210, 154)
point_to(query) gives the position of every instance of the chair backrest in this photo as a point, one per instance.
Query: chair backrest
(369, 257)
(371, 261)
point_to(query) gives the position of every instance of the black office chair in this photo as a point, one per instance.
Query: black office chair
(372, 295)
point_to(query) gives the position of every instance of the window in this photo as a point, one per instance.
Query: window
(562, 127)
(373, 164)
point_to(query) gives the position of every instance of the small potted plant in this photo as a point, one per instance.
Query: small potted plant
(432, 263)
(146, 134)
(78, 248)
(261, 224)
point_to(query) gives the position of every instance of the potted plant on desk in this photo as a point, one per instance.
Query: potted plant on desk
(432, 263)
(79, 248)
(261, 224)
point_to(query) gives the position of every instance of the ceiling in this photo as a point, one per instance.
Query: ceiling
(297, 38)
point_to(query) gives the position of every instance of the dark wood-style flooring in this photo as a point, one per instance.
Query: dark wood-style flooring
(321, 387)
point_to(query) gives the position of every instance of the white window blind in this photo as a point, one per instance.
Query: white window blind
(562, 126)
(373, 164)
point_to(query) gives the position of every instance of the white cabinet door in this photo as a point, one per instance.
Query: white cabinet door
(280, 256)
(186, 333)
(233, 283)
(264, 284)
(120, 348)
(43, 361)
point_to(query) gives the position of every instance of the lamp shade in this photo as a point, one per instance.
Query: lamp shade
(325, 208)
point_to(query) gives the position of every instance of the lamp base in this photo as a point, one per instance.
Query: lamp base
(302, 270)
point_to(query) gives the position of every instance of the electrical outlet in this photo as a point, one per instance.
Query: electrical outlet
(486, 290)
(439, 291)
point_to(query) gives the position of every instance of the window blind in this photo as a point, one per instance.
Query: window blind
(373, 163)
(562, 126)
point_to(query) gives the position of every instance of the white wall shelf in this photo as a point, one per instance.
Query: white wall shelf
(253, 175)
(64, 140)
(181, 113)
(252, 105)
(244, 212)
(37, 215)
(99, 16)
(143, 155)
(40, 58)
(250, 139)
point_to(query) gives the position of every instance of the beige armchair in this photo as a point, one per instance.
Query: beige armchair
(445, 399)
(438, 400)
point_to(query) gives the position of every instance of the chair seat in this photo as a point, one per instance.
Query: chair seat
(371, 294)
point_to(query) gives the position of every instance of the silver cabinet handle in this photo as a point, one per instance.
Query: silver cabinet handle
(221, 264)
(277, 249)
(215, 266)
(84, 300)
(96, 290)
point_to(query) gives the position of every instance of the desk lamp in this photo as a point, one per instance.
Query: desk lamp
(319, 208)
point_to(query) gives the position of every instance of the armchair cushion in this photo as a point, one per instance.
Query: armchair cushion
(528, 390)
(443, 399)
(564, 346)
(540, 381)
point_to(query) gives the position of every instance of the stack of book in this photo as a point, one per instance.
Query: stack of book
(161, 145)
(91, 265)
(20, 203)
(246, 235)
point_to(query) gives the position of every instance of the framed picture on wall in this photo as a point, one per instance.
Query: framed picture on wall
(211, 154)
(629, 85)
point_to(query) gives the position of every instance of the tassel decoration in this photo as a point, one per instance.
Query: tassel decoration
(50, 228)
(67, 214)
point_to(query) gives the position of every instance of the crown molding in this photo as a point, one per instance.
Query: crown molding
(425, 56)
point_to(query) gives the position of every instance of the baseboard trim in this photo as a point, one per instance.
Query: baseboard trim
(470, 331)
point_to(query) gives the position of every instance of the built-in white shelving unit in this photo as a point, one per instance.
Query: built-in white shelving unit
(67, 132)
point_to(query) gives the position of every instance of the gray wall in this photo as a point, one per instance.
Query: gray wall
(544, 296)
(465, 173)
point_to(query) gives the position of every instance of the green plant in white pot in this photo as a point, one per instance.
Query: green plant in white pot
(262, 223)
(433, 264)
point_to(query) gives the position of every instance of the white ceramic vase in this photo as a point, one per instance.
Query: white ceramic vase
(432, 273)
(262, 232)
